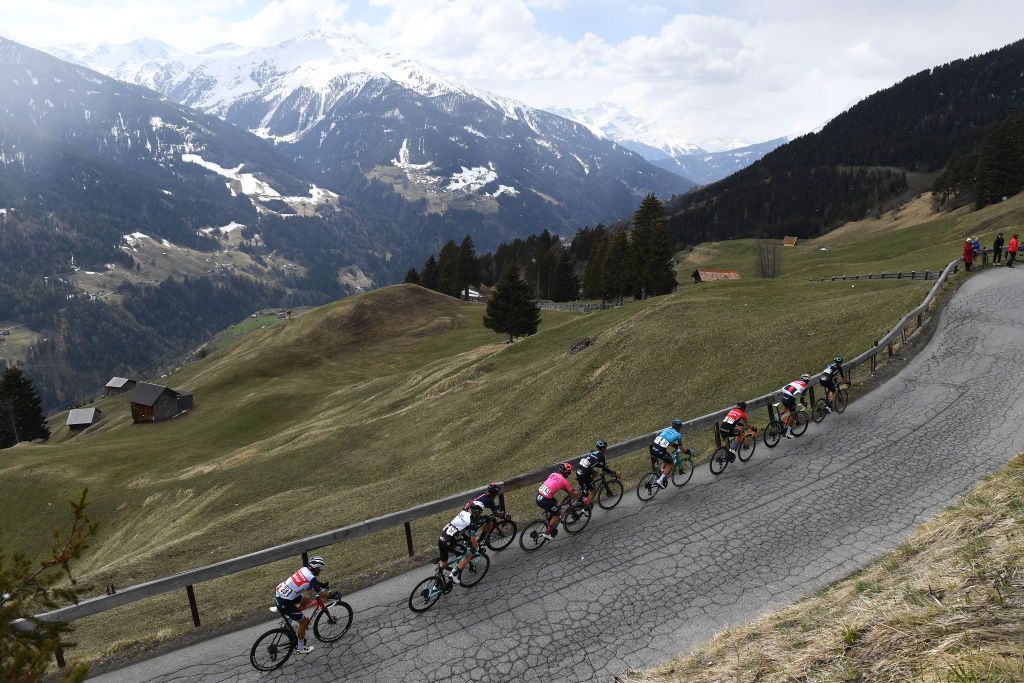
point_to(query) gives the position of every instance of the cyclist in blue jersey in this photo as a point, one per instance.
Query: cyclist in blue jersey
(670, 437)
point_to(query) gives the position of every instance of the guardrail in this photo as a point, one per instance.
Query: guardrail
(910, 275)
(302, 546)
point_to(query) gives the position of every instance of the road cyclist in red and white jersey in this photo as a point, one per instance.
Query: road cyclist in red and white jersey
(730, 426)
(555, 482)
(290, 600)
(795, 390)
(460, 531)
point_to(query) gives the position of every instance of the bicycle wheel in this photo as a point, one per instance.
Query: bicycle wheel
(272, 649)
(646, 488)
(475, 571)
(682, 471)
(610, 493)
(746, 447)
(842, 399)
(426, 593)
(531, 538)
(719, 460)
(502, 535)
(576, 517)
(800, 423)
(819, 410)
(332, 622)
(772, 434)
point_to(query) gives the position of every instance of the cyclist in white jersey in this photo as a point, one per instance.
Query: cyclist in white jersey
(289, 595)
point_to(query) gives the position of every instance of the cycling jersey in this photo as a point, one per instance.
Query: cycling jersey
(462, 525)
(795, 389)
(734, 416)
(589, 463)
(302, 580)
(668, 437)
(830, 373)
(552, 485)
(489, 500)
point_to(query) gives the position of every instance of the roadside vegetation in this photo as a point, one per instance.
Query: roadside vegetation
(946, 607)
(391, 398)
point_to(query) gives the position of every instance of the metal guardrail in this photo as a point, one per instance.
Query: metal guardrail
(302, 546)
(911, 275)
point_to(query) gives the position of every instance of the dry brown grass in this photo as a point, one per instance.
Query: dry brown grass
(946, 606)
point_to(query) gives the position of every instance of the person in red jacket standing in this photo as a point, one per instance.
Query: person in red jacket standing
(969, 253)
(1012, 251)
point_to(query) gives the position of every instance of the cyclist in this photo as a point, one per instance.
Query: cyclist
(829, 375)
(461, 530)
(555, 482)
(489, 499)
(789, 395)
(289, 597)
(669, 437)
(587, 466)
(731, 424)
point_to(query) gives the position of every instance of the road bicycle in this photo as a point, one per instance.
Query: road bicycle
(746, 442)
(838, 406)
(682, 470)
(331, 620)
(608, 490)
(574, 518)
(499, 532)
(773, 432)
(429, 590)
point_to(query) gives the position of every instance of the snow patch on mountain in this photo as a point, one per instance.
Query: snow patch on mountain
(223, 229)
(472, 179)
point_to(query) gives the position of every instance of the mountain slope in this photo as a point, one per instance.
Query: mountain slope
(859, 160)
(352, 115)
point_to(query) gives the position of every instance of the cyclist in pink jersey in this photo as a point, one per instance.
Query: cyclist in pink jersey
(555, 482)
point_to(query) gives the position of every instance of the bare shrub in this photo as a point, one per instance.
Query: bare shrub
(769, 259)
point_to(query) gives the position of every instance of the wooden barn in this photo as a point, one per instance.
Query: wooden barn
(118, 385)
(155, 402)
(709, 274)
(80, 419)
(789, 241)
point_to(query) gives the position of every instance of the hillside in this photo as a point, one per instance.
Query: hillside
(860, 160)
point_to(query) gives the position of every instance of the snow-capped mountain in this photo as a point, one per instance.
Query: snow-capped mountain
(357, 117)
(665, 149)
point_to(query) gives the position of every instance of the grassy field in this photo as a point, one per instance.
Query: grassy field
(14, 346)
(946, 607)
(384, 400)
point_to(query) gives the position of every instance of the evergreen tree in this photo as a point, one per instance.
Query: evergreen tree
(565, 286)
(447, 263)
(412, 277)
(429, 274)
(650, 213)
(663, 274)
(511, 310)
(618, 268)
(20, 409)
(467, 270)
(593, 274)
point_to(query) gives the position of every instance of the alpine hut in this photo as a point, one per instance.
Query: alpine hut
(80, 419)
(118, 385)
(709, 274)
(155, 402)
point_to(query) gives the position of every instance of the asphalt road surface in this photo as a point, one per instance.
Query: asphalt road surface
(646, 582)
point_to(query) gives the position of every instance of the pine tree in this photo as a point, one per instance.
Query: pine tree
(650, 213)
(593, 274)
(412, 277)
(429, 274)
(565, 286)
(663, 274)
(618, 274)
(21, 409)
(511, 310)
(446, 267)
(467, 269)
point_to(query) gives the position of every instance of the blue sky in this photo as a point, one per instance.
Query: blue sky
(707, 72)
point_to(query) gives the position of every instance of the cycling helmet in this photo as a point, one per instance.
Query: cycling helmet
(601, 444)
(677, 423)
(838, 360)
(476, 507)
(565, 469)
(316, 563)
(493, 487)
(805, 377)
(742, 405)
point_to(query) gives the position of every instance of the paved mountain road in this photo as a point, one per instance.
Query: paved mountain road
(645, 582)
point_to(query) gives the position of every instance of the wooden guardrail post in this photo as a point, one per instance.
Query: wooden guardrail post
(718, 436)
(192, 604)
(305, 559)
(408, 539)
(58, 654)
(890, 349)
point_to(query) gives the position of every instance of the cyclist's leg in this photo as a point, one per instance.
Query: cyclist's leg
(443, 550)
(474, 544)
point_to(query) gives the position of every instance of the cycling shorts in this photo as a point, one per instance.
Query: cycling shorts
(789, 402)
(660, 453)
(829, 383)
(549, 504)
(290, 608)
(728, 430)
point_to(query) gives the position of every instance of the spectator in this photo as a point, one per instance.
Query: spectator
(1012, 250)
(976, 245)
(969, 253)
(997, 250)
